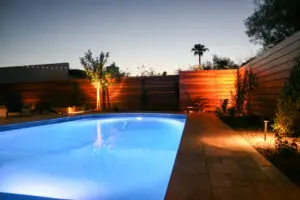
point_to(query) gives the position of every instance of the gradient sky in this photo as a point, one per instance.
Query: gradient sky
(156, 33)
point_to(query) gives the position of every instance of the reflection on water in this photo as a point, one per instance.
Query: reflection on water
(100, 142)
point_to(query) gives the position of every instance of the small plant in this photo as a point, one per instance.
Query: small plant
(282, 146)
(85, 107)
(219, 112)
(224, 104)
(224, 111)
(285, 117)
(231, 111)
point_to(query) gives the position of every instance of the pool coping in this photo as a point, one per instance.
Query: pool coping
(61, 119)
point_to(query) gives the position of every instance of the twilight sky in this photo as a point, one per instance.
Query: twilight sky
(154, 33)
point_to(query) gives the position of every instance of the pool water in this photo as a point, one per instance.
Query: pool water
(93, 158)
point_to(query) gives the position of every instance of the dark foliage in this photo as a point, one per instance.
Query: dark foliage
(273, 21)
(77, 73)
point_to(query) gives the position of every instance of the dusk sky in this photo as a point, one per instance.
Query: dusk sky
(156, 33)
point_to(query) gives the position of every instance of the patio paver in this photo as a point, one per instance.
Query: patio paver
(215, 163)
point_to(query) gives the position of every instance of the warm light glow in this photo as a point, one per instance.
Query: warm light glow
(236, 141)
(115, 89)
(72, 110)
(98, 103)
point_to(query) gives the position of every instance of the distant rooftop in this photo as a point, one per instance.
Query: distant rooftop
(35, 73)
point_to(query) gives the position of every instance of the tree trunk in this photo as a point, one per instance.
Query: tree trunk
(199, 61)
(98, 107)
(108, 100)
(103, 106)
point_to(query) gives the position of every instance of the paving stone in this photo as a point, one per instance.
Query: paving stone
(221, 193)
(268, 190)
(194, 167)
(246, 193)
(213, 159)
(256, 175)
(220, 180)
(215, 163)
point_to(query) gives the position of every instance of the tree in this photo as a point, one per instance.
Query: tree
(208, 65)
(95, 69)
(199, 49)
(273, 21)
(223, 63)
(142, 71)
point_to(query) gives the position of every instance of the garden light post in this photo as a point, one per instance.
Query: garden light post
(266, 129)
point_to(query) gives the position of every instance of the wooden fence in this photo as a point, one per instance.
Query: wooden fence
(272, 70)
(173, 92)
(210, 86)
(153, 93)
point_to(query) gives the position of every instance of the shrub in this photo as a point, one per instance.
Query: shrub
(231, 111)
(244, 86)
(219, 112)
(285, 117)
(283, 146)
(85, 107)
(222, 109)
(224, 104)
(288, 104)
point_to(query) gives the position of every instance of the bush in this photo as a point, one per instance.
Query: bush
(85, 107)
(231, 112)
(288, 105)
(224, 105)
(283, 147)
(245, 85)
(219, 112)
(285, 117)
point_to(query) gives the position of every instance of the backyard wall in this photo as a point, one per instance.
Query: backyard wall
(209, 85)
(161, 93)
(272, 70)
(35, 73)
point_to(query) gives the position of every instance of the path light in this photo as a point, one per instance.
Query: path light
(266, 129)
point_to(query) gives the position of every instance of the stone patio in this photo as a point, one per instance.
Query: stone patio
(214, 163)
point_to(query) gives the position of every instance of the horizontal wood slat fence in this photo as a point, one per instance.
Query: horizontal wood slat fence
(160, 93)
(210, 86)
(272, 69)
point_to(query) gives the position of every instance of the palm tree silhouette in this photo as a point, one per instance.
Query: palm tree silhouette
(199, 49)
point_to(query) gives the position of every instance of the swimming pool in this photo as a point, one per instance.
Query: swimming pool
(112, 156)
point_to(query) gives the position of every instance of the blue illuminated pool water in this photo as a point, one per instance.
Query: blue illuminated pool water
(92, 157)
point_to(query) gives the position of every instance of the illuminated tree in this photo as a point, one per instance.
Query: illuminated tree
(199, 49)
(95, 69)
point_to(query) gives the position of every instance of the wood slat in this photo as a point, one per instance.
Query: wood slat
(272, 70)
